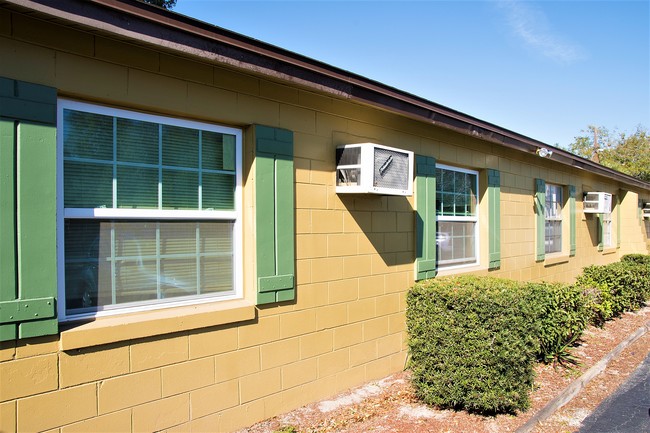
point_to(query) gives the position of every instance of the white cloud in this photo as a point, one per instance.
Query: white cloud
(530, 24)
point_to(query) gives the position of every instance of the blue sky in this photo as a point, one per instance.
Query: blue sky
(545, 69)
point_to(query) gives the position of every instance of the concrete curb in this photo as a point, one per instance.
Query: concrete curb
(572, 390)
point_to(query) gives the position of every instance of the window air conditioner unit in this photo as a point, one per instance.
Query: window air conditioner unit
(597, 202)
(646, 211)
(368, 168)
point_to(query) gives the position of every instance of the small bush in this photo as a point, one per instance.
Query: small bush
(473, 343)
(599, 302)
(639, 259)
(564, 316)
(625, 285)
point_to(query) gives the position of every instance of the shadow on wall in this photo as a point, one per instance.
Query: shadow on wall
(388, 225)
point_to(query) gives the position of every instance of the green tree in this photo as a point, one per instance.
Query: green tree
(165, 4)
(628, 154)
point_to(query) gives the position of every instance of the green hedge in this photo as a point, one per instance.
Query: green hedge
(639, 259)
(473, 342)
(565, 314)
(616, 288)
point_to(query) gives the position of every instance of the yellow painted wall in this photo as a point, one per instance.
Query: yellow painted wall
(354, 254)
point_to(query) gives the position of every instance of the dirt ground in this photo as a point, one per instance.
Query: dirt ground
(389, 405)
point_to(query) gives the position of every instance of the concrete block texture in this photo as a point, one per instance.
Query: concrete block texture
(354, 253)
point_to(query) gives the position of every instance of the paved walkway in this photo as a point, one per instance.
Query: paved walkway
(627, 410)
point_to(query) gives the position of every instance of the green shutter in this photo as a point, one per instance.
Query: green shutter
(494, 223)
(274, 215)
(27, 210)
(618, 219)
(572, 220)
(540, 204)
(425, 226)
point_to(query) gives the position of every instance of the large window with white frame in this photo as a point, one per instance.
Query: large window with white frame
(149, 211)
(457, 216)
(553, 219)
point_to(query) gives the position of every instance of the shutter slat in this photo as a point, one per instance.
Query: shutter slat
(540, 204)
(27, 210)
(274, 215)
(572, 220)
(425, 215)
(494, 205)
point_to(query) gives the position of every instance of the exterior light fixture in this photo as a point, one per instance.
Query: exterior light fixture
(544, 152)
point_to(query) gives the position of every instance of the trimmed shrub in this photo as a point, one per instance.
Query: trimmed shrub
(623, 286)
(473, 343)
(639, 259)
(564, 315)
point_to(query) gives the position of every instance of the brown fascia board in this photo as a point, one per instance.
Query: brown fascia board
(148, 25)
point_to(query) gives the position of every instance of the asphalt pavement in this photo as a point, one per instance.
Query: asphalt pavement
(627, 410)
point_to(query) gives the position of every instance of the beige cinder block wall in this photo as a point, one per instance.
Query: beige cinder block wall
(354, 254)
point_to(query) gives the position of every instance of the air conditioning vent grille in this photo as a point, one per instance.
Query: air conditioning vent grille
(390, 167)
(348, 156)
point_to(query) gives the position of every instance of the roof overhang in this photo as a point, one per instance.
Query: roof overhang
(143, 24)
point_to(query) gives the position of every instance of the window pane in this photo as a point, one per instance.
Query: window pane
(456, 243)
(87, 185)
(180, 189)
(218, 191)
(212, 150)
(455, 193)
(137, 141)
(607, 229)
(137, 187)
(87, 135)
(178, 277)
(216, 274)
(87, 262)
(554, 201)
(111, 263)
(180, 146)
(553, 236)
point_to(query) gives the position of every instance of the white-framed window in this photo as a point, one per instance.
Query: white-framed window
(149, 211)
(457, 234)
(606, 221)
(553, 219)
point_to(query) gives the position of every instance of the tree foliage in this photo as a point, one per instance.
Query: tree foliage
(628, 154)
(165, 4)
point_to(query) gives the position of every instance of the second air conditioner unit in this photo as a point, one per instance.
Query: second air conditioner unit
(597, 202)
(369, 168)
(646, 211)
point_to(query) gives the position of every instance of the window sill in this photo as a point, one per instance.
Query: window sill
(460, 270)
(118, 328)
(608, 250)
(556, 259)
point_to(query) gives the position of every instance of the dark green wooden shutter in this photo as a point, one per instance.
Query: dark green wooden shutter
(425, 225)
(27, 210)
(618, 219)
(274, 215)
(540, 204)
(494, 222)
(572, 220)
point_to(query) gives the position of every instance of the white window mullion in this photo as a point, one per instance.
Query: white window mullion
(198, 258)
(200, 192)
(160, 174)
(114, 162)
(113, 266)
(158, 288)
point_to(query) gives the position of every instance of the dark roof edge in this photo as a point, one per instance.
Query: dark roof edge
(172, 31)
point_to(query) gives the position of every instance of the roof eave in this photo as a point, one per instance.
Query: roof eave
(145, 24)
